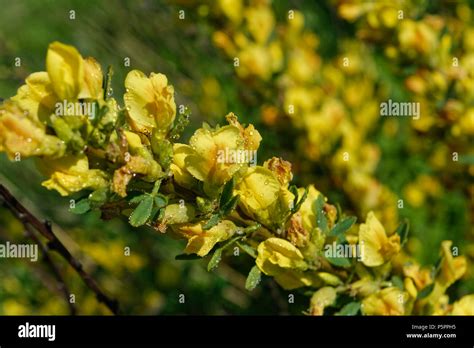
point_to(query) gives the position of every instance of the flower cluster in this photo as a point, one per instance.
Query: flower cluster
(334, 105)
(128, 162)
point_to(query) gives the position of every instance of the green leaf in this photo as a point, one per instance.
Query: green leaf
(402, 231)
(81, 207)
(185, 257)
(297, 205)
(436, 267)
(294, 190)
(230, 205)
(321, 220)
(160, 201)
(425, 291)
(342, 226)
(180, 123)
(253, 278)
(214, 220)
(217, 256)
(142, 212)
(248, 249)
(352, 308)
(215, 259)
(252, 228)
(108, 83)
(397, 281)
(138, 199)
(98, 197)
(339, 261)
(226, 195)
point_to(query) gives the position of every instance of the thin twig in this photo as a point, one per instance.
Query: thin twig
(30, 232)
(45, 229)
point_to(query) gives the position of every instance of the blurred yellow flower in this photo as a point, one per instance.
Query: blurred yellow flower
(388, 301)
(465, 306)
(321, 299)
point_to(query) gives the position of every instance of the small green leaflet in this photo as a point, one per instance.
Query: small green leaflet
(138, 199)
(321, 220)
(160, 201)
(217, 256)
(342, 226)
(397, 281)
(253, 278)
(81, 207)
(339, 261)
(142, 212)
(402, 231)
(248, 249)
(214, 220)
(227, 208)
(226, 192)
(425, 291)
(297, 203)
(352, 308)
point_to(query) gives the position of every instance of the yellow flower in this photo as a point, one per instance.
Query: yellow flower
(321, 299)
(215, 155)
(465, 306)
(421, 277)
(65, 68)
(255, 61)
(73, 77)
(142, 164)
(201, 241)
(262, 197)
(364, 287)
(452, 268)
(389, 301)
(72, 174)
(21, 136)
(149, 102)
(178, 167)
(377, 247)
(232, 9)
(282, 260)
(260, 23)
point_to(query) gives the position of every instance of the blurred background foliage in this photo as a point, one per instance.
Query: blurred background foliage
(406, 162)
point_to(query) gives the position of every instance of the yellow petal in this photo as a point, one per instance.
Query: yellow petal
(65, 69)
(93, 76)
(321, 299)
(465, 306)
(72, 174)
(138, 98)
(279, 252)
(20, 136)
(389, 301)
(377, 248)
(201, 242)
